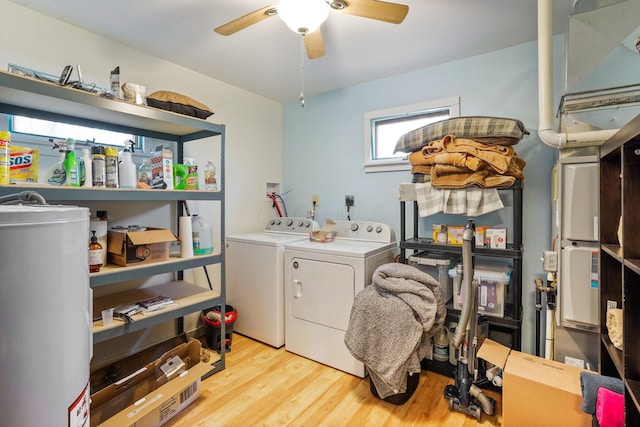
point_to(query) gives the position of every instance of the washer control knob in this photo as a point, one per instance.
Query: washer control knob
(278, 222)
(273, 221)
(301, 224)
(378, 229)
(289, 222)
(369, 228)
(354, 227)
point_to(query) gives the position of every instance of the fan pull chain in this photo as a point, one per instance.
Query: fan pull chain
(302, 70)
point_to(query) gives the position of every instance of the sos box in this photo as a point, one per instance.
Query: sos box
(23, 164)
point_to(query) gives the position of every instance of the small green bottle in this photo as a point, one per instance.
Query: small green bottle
(71, 165)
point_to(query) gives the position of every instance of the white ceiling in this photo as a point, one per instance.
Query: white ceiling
(265, 58)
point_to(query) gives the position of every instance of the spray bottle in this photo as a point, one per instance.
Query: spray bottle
(127, 169)
(71, 165)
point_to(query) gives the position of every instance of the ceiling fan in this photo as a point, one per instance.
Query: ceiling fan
(306, 16)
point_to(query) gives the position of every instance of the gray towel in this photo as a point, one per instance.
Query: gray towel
(392, 322)
(590, 383)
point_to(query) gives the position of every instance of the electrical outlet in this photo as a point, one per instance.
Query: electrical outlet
(573, 361)
(349, 201)
(315, 199)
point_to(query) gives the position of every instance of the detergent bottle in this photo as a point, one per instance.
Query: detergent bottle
(202, 239)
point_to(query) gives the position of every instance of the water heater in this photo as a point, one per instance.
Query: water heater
(46, 316)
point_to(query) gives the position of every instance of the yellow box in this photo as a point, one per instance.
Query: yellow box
(24, 164)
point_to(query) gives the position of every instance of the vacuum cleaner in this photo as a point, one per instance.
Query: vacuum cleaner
(465, 395)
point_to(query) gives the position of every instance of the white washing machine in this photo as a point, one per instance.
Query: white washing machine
(255, 277)
(321, 282)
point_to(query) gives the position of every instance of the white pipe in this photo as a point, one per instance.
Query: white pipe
(546, 130)
(549, 350)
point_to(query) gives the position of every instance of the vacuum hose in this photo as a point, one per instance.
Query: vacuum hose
(487, 406)
(468, 237)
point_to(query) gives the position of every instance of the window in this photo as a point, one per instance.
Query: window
(383, 128)
(29, 126)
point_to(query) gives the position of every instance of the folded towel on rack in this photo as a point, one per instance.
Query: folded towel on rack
(590, 383)
(467, 201)
(392, 322)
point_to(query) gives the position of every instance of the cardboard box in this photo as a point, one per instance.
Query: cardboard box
(496, 238)
(326, 234)
(138, 247)
(148, 397)
(162, 168)
(536, 391)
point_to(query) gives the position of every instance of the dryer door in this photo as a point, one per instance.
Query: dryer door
(322, 292)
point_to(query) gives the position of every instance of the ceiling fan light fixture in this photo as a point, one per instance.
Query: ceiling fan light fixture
(303, 16)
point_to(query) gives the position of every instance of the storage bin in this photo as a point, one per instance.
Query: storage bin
(213, 328)
(437, 264)
(492, 278)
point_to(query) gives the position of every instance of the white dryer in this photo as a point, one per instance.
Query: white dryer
(255, 277)
(321, 282)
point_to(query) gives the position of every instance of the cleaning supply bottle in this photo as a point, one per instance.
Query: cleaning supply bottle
(127, 170)
(111, 167)
(191, 178)
(441, 344)
(144, 175)
(95, 254)
(87, 168)
(202, 239)
(57, 174)
(99, 173)
(179, 176)
(71, 165)
(5, 158)
(210, 183)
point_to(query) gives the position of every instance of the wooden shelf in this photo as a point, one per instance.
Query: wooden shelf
(633, 388)
(189, 298)
(614, 354)
(613, 250)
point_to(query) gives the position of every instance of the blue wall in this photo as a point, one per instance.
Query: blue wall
(324, 146)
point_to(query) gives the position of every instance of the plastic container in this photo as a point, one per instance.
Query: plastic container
(99, 174)
(144, 174)
(492, 278)
(401, 398)
(87, 168)
(437, 264)
(441, 344)
(127, 171)
(57, 174)
(210, 182)
(179, 176)
(212, 327)
(111, 167)
(202, 239)
(5, 158)
(71, 165)
(191, 180)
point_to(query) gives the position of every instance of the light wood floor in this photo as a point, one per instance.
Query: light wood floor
(262, 386)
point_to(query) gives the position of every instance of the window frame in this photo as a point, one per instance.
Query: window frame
(372, 164)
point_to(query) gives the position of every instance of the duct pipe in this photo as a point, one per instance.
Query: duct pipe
(546, 130)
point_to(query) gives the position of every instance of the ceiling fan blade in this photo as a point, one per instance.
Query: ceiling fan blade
(314, 44)
(243, 22)
(374, 9)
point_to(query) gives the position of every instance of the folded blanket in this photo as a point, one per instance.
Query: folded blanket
(392, 322)
(590, 383)
(610, 408)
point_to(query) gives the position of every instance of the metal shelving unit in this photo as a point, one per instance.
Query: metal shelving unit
(510, 325)
(44, 100)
